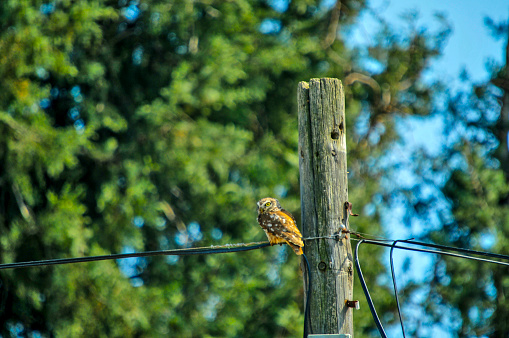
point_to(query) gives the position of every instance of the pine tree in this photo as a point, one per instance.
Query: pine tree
(136, 126)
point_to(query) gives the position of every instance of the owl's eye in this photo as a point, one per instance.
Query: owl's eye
(267, 204)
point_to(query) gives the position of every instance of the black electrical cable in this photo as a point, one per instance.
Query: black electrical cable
(443, 247)
(443, 250)
(396, 288)
(411, 242)
(450, 248)
(366, 291)
(177, 252)
(308, 292)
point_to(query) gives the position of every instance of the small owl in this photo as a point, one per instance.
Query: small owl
(279, 224)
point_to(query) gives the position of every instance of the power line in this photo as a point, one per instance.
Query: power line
(176, 252)
(215, 249)
(229, 248)
(444, 250)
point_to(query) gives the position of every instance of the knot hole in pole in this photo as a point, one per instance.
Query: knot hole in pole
(336, 131)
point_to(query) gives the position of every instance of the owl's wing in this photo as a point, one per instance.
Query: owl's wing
(289, 215)
(280, 228)
(288, 229)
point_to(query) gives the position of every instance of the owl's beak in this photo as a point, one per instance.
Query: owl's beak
(260, 209)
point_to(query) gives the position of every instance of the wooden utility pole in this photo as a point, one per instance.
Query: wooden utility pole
(324, 192)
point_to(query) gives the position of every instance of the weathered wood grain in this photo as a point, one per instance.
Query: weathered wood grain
(324, 191)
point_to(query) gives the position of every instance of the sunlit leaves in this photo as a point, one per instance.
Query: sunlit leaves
(146, 125)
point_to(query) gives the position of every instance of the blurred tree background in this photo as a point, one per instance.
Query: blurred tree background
(144, 125)
(461, 197)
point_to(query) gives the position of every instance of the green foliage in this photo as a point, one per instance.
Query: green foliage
(156, 125)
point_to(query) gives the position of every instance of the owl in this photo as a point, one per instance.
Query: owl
(279, 224)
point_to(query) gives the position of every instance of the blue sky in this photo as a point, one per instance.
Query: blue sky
(470, 45)
(470, 48)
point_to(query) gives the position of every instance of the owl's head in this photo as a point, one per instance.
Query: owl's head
(268, 204)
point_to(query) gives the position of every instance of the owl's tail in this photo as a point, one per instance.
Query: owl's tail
(296, 248)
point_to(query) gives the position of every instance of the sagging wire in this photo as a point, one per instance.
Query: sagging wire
(444, 250)
(378, 323)
(396, 288)
(342, 233)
